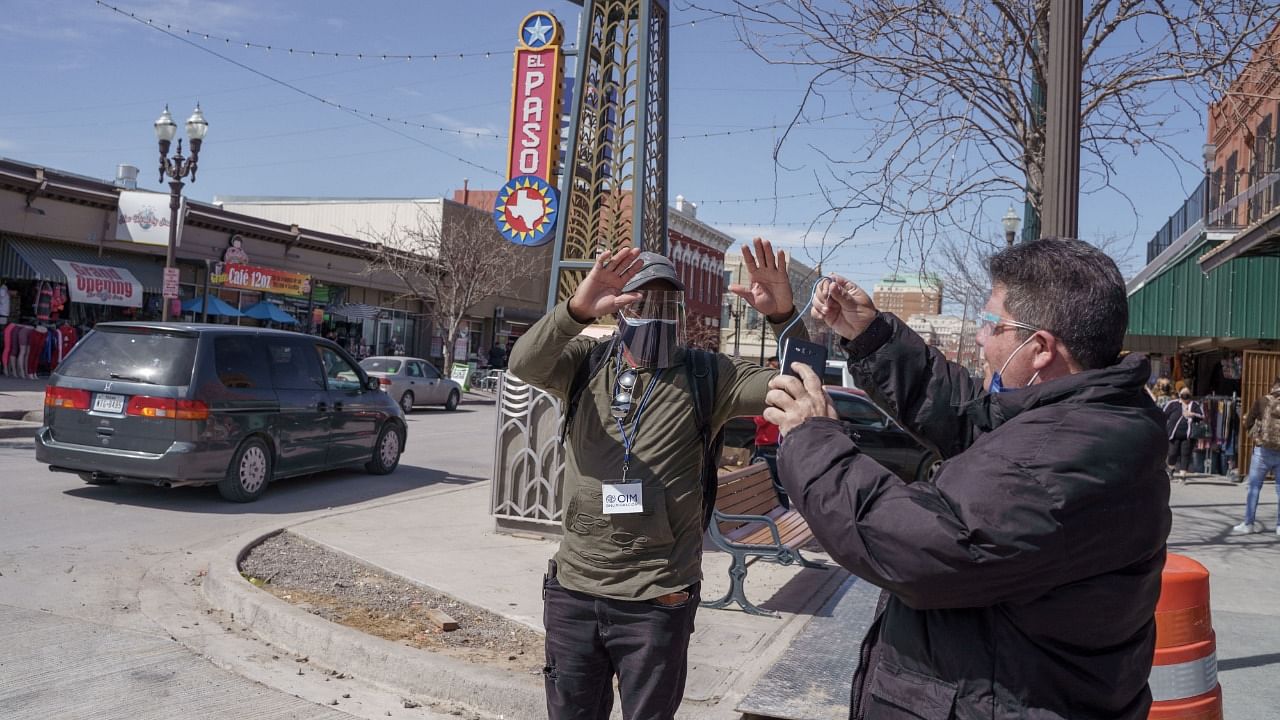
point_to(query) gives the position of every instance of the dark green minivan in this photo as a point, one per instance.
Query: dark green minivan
(175, 404)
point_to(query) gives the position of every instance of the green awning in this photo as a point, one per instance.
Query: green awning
(26, 259)
(1238, 300)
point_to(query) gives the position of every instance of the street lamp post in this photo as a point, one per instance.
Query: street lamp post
(1210, 154)
(177, 168)
(1011, 221)
(735, 311)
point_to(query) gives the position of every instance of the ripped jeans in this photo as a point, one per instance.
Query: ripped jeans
(590, 639)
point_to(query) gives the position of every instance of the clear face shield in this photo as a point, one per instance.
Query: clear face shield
(653, 327)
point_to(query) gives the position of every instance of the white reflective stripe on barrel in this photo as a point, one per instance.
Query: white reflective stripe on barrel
(1184, 680)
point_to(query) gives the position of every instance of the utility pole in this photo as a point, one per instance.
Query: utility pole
(1061, 216)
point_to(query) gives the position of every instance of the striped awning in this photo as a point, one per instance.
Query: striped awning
(354, 311)
(25, 259)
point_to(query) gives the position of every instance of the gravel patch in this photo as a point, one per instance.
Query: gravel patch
(343, 590)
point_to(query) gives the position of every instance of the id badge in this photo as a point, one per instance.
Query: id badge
(622, 497)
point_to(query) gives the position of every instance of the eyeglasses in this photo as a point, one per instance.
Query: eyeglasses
(622, 394)
(989, 321)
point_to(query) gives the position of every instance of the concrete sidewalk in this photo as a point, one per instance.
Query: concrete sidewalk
(445, 540)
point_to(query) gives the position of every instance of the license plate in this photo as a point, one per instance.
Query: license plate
(108, 403)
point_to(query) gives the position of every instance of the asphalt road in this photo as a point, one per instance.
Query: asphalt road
(77, 563)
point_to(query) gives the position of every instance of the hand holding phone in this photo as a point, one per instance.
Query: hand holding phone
(802, 351)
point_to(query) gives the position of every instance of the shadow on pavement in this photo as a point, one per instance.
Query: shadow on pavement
(798, 592)
(1248, 662)
(330, 489)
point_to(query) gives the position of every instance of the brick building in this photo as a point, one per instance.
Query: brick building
(905, 295)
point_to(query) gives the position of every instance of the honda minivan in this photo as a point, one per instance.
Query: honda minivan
(175, 404)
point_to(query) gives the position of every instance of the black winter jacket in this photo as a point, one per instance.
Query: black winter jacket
(1020, 583)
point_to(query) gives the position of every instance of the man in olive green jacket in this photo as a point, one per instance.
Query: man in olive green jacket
(623, 588)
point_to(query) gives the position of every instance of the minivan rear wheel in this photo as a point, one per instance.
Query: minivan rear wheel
(249, 473)
(386, 452)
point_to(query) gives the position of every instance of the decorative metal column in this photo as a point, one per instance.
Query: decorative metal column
(613, 188)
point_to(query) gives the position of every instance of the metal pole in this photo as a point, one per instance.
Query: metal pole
(1061, 215)
(175, 196)
(204, 311)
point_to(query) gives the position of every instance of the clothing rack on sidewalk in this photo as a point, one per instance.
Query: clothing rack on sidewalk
(1222, 414)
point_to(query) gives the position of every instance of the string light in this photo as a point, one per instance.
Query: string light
(368, 117)
(771, 198)
(228, 42)
(762, 128)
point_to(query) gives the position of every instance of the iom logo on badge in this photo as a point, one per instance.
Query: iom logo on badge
(526, 211)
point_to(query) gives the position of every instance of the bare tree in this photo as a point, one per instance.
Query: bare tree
(450, 263)
(949, 90)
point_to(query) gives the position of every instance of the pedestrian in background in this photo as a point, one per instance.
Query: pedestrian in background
(1263, 426)
(620, 596)
(766, 449)
(1162, 392)
(1021, 582)
(1181, 417)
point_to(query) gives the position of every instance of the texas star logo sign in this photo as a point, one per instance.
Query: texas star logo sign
(526, 211)
(539, 29)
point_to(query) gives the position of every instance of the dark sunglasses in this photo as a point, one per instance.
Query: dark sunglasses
(622, 394)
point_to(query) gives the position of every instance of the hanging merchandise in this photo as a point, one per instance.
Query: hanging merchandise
(44, 301)
(1232, 367)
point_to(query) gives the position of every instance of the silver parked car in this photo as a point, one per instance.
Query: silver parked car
(413, 382)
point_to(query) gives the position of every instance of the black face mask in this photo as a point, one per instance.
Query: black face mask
(652, 343)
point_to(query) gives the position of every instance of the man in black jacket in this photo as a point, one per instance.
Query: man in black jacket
(1022, 581)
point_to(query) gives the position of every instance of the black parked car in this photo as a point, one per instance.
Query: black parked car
(877, 435)
(185, 404)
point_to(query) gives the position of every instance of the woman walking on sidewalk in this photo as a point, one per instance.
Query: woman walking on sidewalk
(1180, 418)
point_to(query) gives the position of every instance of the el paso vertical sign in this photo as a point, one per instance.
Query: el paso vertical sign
(535, 99)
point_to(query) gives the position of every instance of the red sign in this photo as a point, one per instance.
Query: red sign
(535, 99)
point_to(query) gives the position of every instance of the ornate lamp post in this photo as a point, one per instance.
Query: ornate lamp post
(735, 311)
(1011, 222)
(177, 168)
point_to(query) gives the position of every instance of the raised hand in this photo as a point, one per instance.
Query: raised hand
(846, 308)
(769, 289)
(600, 292)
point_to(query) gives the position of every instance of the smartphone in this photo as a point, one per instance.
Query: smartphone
(802, 351)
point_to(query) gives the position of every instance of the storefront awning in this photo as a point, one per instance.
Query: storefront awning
(354, 311)
(34, 260)
(1182, 301)
(1261, 238)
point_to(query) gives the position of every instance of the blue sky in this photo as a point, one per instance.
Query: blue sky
(83, 85)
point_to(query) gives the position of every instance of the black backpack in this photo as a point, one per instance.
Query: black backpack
(702, 372)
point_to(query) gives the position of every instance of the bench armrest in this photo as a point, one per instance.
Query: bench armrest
(773, 527)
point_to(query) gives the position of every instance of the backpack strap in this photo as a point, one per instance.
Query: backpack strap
(703, 369)
(594, 361)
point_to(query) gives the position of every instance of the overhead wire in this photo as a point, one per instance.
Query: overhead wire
(366, 117)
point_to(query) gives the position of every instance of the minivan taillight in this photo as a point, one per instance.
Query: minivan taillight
(155, 407)
(69, 398)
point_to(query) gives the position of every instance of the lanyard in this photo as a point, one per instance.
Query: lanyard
(629, 442)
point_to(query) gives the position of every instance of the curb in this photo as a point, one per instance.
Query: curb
(18, 429)
(399, 667)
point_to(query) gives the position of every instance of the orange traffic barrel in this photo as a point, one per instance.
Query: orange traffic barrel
(1184, 675)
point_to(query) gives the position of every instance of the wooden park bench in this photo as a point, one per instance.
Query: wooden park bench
(749, 522)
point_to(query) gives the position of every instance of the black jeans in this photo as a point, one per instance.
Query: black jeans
(1180, 453)
(590, 639)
